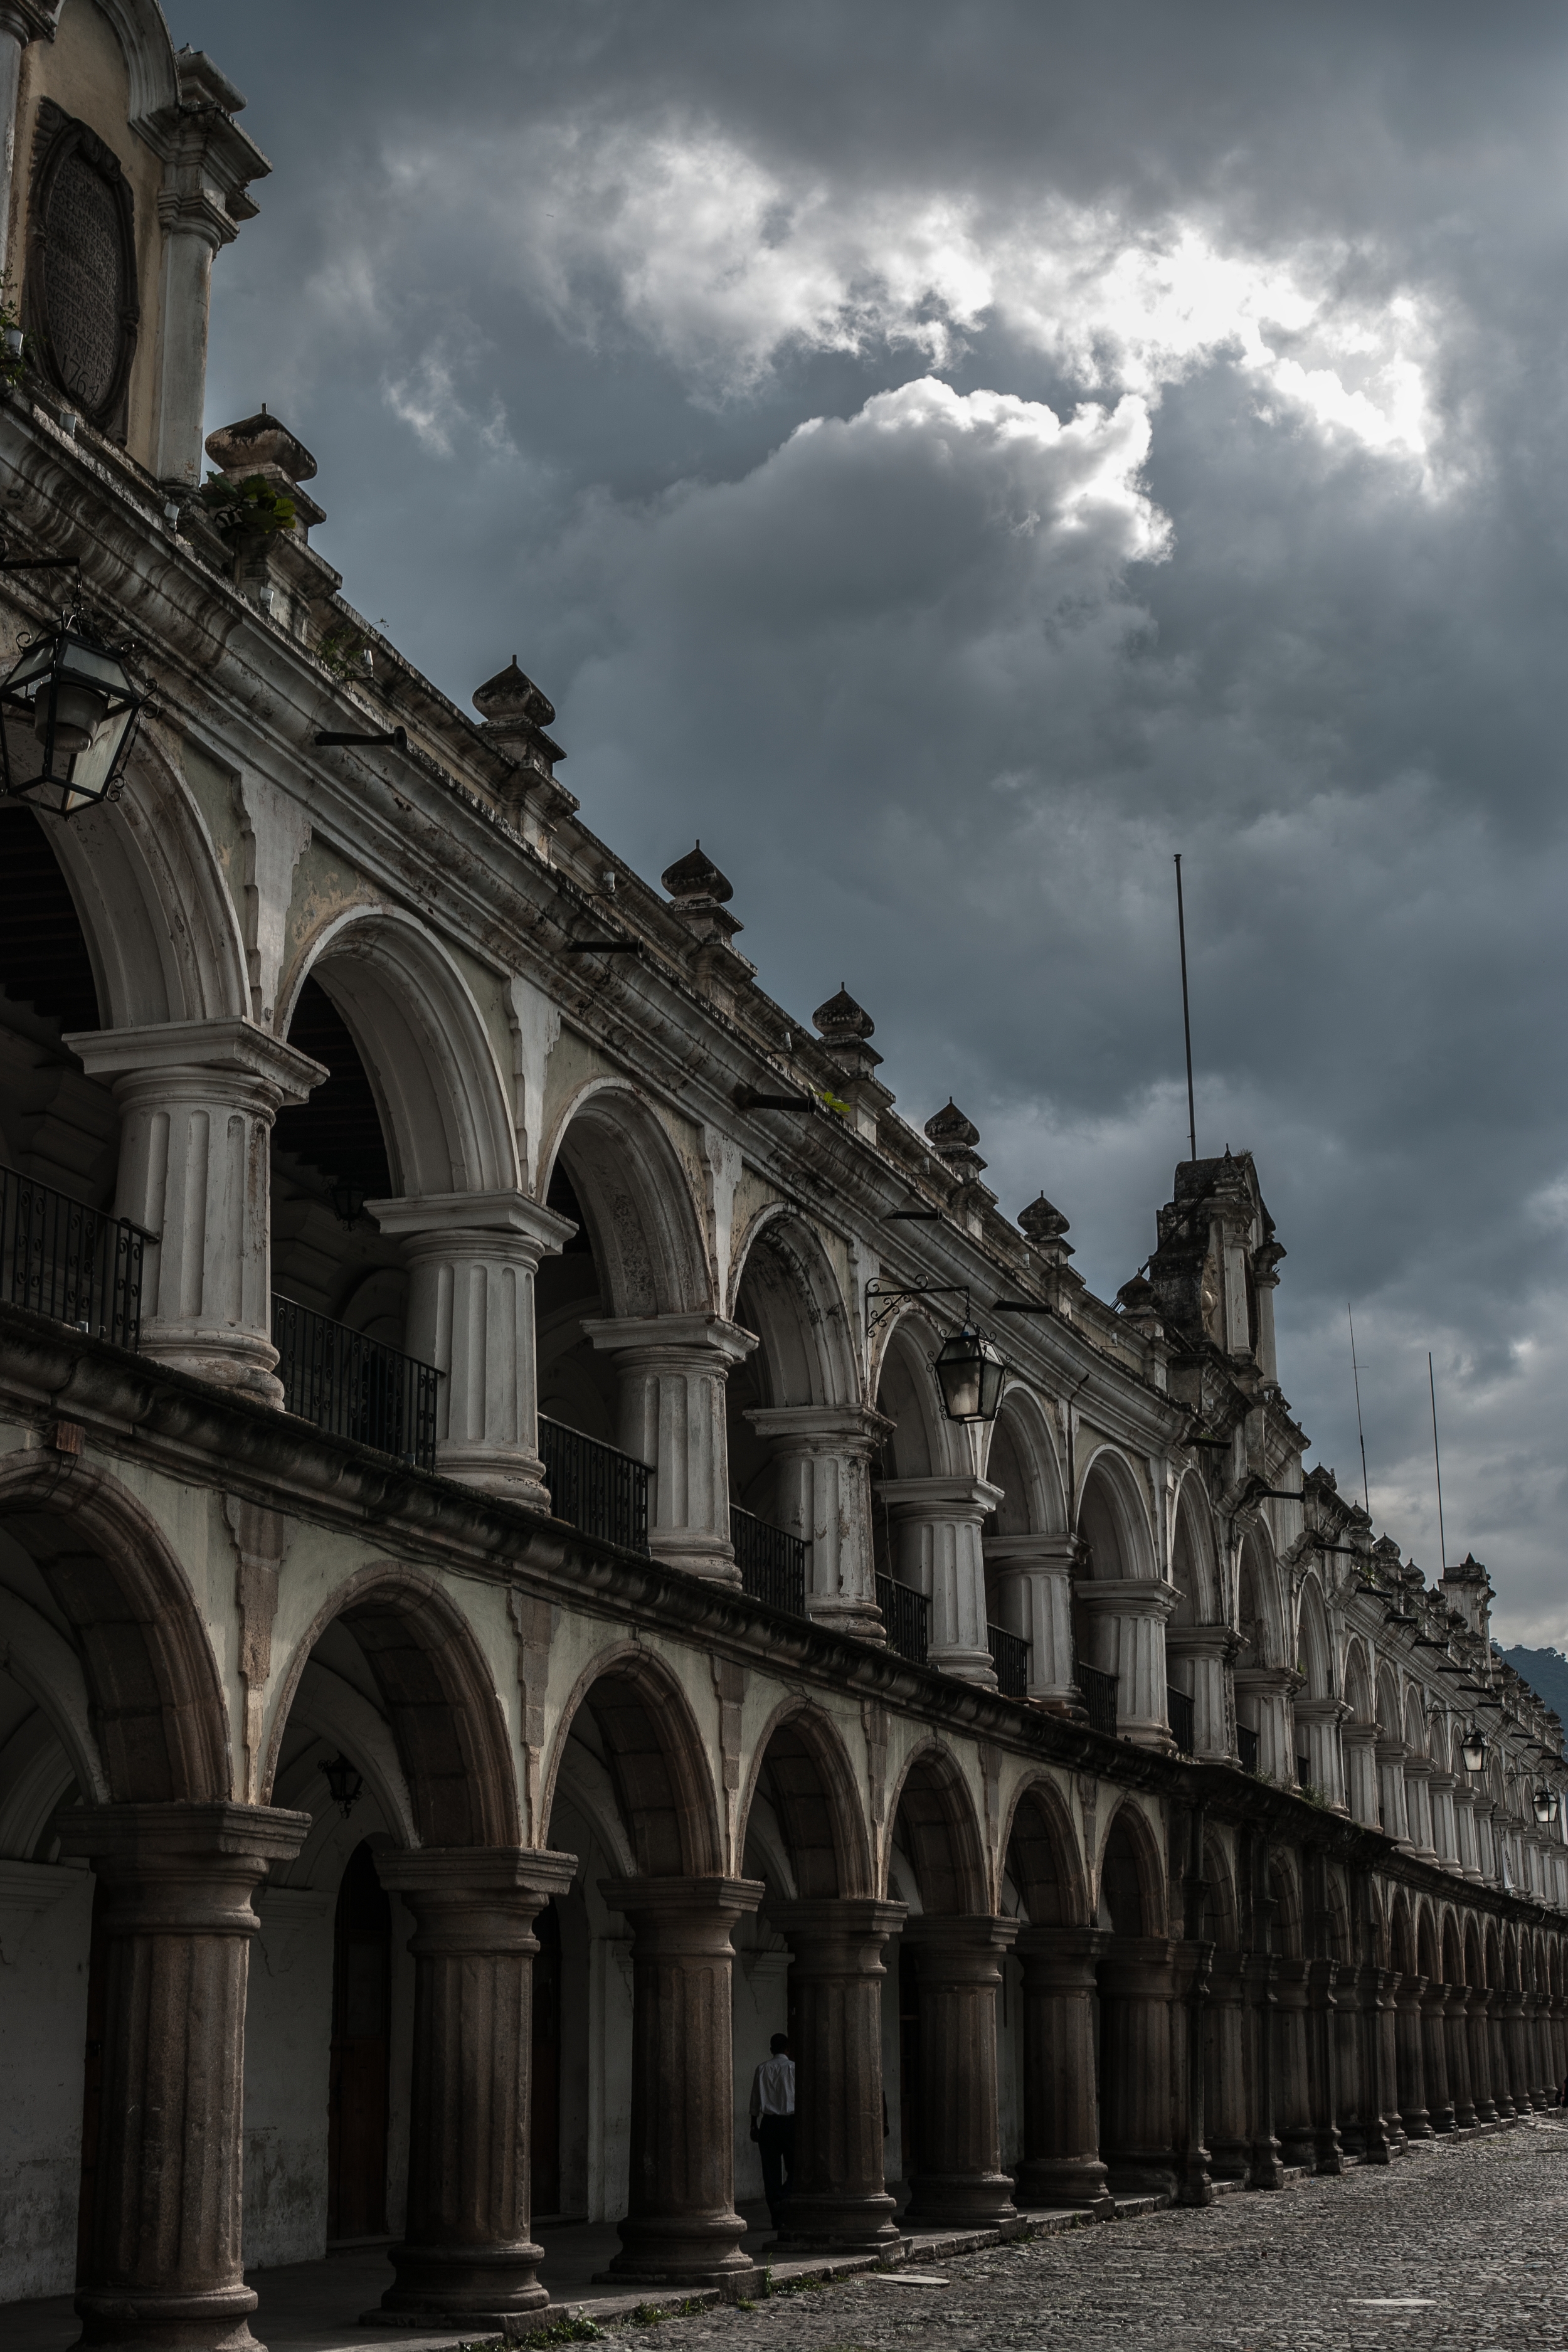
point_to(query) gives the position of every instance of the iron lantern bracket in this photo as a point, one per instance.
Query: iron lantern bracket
(881, 1303)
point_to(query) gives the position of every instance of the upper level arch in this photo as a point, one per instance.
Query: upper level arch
(1113, 1519)
(635, 1199)
(922, 1441)
(1022, 1462)
(1315, 1654)
(1261, 1612)
(1194, 1561)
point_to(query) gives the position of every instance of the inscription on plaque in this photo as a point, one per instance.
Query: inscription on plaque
(86, 270)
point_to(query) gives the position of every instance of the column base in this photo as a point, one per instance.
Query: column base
(478, 2286)
(680, 2250)
(1063, 2181)
(715, 1562)
(861, 1621)
(512, 1478)
(830, 2225)
(1134, 2176)
(961, 2201)
(966, 1665)
(243, 1361)
(219, 2322)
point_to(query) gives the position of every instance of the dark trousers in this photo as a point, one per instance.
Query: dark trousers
(776, 2138)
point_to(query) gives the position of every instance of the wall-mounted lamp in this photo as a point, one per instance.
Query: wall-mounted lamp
(1473, 1749)
(344, 1784)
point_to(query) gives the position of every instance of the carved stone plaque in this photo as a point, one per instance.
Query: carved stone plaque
(86, 270)
(81, 275)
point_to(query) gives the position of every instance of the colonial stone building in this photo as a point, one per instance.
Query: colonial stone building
(518, 1577)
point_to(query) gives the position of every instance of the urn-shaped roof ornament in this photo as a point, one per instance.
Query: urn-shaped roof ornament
(1042, 1220)
(695, 878)
(843, 1022)
(954, 1138)
(510, 704)
(258, 442)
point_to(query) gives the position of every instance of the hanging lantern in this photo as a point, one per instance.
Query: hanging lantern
(343, 1782)
(347, 1200)
(969, 1377)
(1473, 1749)
(67, 714)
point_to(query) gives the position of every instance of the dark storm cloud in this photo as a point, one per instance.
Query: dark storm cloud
(951, 459)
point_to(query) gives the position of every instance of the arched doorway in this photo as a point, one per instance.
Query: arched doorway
(1135, 1993)
(1056, 2150)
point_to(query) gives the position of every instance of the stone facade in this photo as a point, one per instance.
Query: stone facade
(495, 1618)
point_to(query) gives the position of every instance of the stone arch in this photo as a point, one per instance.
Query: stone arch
(437, 1692)
(1415, 1730)
(1453, 1949)
(656, 1760)
(1475, 1964)
(783, 1288)
(1042, 1857)
(1022, 1460)
(1285, 1885)
(921, 1443)
(1221, 1918)
(432, 1066)
(158, 1715)
(801, 1763)
(1390, 1705)
(1113, 1519)
(1194, 1564)
(160, 928)
(1357, 1684)
(1491, 1957)
(642, 1220)
(1131, 1876)
(1315, 1654)
(934, 1821)
(1401, 1935)
(1260, 1613)
(144, 38)
(1428, 1962)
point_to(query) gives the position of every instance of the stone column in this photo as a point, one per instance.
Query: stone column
(838, 2201)
(1292, 2091)
(960, 2183)
(1376, 2094)
(1265, 2164)
(1061, 2112)
(1189, 2020)
(163, 2261)
(1225, 2082)
(936, 1524)
(1440, 1787)
(1418, 1806)
(1502, 2088)
(21, 21)
(467, 2258)
(1033, 1597)
(1207, 1651)
(1515, 2058)
(1391, 1755)
(1456, 2034)
(1127, 1634)
(673, 1369)
(1483, 2074)
(471, 1259)
(1414, 2116)
(197, 1099)
(196, 224)
(1465, 1837)
(1135, 2135)
(1358, 1741)
(1323, 2065)
(1351, 2062)
(681, 2228)
(824, 1455)
(1435, 2056)
(1321, 1720)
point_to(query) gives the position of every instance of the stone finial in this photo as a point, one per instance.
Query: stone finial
(1041, 1221)
(510, 704)
(1386, 1552)
(954, 1138)
(1136, 1296)
(257, 443)
(695, 878)
(842, 1022)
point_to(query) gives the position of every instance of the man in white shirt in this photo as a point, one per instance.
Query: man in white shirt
(773, 2124)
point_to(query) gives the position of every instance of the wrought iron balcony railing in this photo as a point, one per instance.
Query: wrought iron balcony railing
(1179, 1713)
(78, 1265)
(772, 1561)
(1010, 1656)
(596, 1488)
(354, 1387)
(1247, 1748)
(906, 1614)
(1099, 1698)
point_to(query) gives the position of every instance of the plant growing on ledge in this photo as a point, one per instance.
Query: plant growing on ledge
(246, 512)
(344, 650)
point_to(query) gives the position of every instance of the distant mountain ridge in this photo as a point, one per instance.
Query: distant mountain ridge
(1546, 1672)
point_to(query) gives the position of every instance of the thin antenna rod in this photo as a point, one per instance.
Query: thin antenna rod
(1355, 1375)
(1186, 1012)
(1438, 1464)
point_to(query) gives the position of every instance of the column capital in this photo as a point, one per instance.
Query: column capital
(160, 1050)
(658, 1903)
(481, 1878)
(962, 1940)
(1201, 1642)
(1127, 1596)
(1061, 1959)
(837, 1918)
(820, 1428)
(964, 1498)
(1033, 1550)
(179, 1868)
(670, 1337)
(1358, 1735)
(30, 20)
(500, 1215)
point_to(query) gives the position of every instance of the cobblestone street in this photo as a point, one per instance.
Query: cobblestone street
(1455, 2246)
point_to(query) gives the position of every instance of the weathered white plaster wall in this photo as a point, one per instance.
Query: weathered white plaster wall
(43, 2033)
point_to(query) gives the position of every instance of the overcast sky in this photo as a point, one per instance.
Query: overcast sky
(951, 459)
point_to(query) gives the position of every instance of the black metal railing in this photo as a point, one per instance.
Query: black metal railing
(906, 1614)
(1010, 1656)
(1179, 1714)
(594, 1486)
(77, 1263)
(1303, 1771)
(1247, 1748)
(352, 1386)
(772, 1561)
(1099, 1698)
